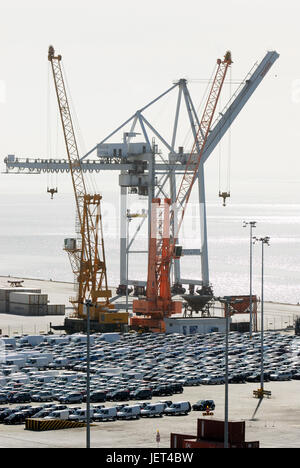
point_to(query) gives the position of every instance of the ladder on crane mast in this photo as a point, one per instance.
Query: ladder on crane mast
(86, 253)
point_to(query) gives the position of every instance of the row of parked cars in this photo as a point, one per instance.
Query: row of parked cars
(17, 393)
(19, 414)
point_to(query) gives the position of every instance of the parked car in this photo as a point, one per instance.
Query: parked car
(180, 407)
(129, 412)
(177, 387)
(167, 403)
(106, 414)
(162, 390)
(213, 380)
(97, 397)
(81, 415)
(59, 414)
(118, 395)
(42, 396)
(3, 398)
(20, 398)
(152, 410)
(43, 413)
(203, 405)
(15, 418)
(5, 414)
(141, 394)
(281, 376)
(71, 398)
(192, 381)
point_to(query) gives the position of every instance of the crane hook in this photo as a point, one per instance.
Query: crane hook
(52, 191)
(224, 195)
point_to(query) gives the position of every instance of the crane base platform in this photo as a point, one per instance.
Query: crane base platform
(75, 325)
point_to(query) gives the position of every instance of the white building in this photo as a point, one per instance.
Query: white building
(190, 326)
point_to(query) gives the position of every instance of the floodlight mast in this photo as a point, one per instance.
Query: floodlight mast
(162, 246)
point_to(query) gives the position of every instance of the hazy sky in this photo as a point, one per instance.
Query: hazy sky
(119, 55)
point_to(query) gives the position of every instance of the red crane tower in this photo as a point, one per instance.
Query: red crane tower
(158, 305)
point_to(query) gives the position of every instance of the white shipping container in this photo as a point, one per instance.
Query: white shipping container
(28, 298)
(5, 292)
(27, 309)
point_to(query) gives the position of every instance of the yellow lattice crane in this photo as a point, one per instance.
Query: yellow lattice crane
(86, 252)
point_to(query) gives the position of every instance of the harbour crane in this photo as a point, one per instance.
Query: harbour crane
(151, 311)
(86, 252)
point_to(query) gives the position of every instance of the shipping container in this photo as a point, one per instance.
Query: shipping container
(28, 298)
(177, 440)
(5, 292)
(56, 309)
(27, 309)
(4, 307)
(213, 429)
(192, 444)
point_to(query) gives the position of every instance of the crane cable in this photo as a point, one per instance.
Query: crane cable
(189, 134)
(225, 184)
(90, 180)
(49, 146)
(229, 136)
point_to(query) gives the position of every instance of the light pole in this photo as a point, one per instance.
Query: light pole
(264, 241)
(227, 301)
(88, 304)
(252, 225)
(226, 373)
(129, 218)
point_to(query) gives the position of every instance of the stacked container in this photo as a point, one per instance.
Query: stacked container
(210, 434)
(54, 309)
(5, 297)
(28, 303)
(213, 430)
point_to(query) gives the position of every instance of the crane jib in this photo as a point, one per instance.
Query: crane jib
(192, 166)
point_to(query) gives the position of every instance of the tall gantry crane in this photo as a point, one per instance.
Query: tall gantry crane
(86, 253)
(139, 170)
(151, 312)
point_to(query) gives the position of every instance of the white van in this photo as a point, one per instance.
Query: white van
(59, 363)
(106, 414)
(59, 414)
(152, 410)
(80, 415)
(180, 407)
(39, 362)
(66, 377)
(129, 412)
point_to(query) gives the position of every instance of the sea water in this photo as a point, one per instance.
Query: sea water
(33, 228)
